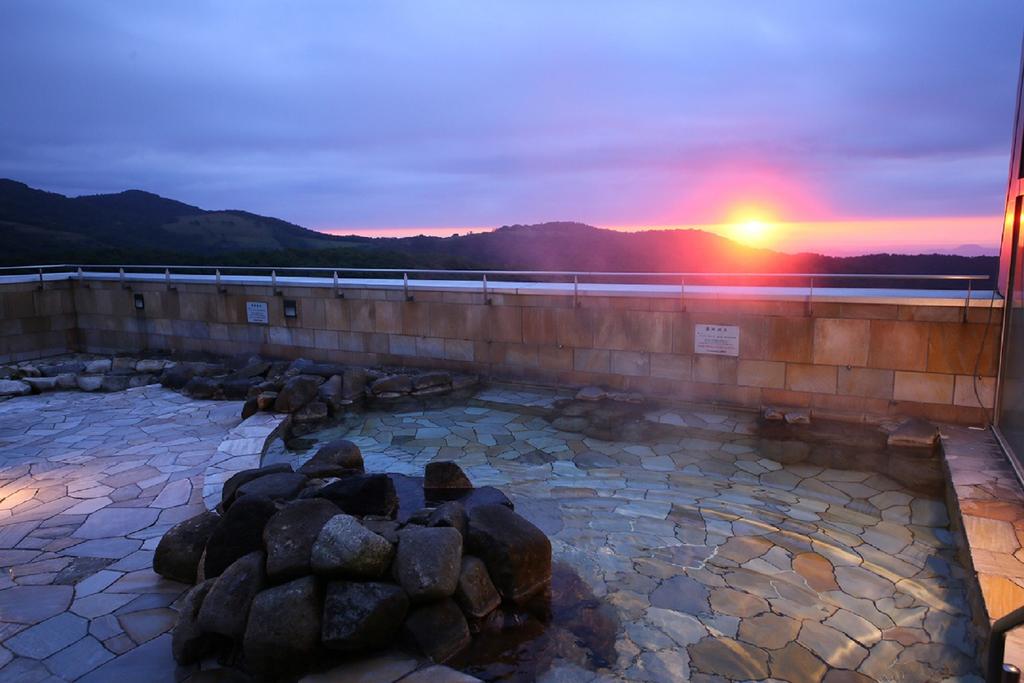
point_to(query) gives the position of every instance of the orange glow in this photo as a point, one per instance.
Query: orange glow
(751, 226)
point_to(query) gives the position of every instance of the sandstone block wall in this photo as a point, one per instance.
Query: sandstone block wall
(34, 322)
(850, 360)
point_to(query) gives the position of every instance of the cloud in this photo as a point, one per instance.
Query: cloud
(344, 114)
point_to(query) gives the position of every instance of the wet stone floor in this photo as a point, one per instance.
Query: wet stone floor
(720, 564)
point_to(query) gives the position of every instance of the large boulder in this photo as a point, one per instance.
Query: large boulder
(439, 630)
(337, 458)
(201, 387)
(362, 616)
(451, 514)
(41, 384)
(226, 607)
(283, 630)
(517, 554)
(353, 383)
(367, 494)
(345, 548)
(13, 387)
(239, 533)
(330, 393)
(237, 388)
(475, 592)
(188, 641)
(86, 382)
(177, 376)
(68, 367)
(98, 366)
(314, 411)
(297, 392)
(277, 486)
(178, 553)
(444, 479)
(428, 562)
(484, 495)
(428, 380)
(290, 534)
(151, 365)
(230, 488)
(115, 382)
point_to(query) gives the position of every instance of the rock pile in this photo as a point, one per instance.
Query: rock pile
(94, 374)
(296, 565)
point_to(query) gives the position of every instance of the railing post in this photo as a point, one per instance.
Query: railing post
(219, 287)
(810, 296)
(40, 278)
(967, 302)
(124, 285)
(575, 291)
(682, 295)
(273, 283)
(487, 299)
(405, 286)
(167, 280)
(337, 292)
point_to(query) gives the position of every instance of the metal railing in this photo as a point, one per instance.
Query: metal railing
(485, 279)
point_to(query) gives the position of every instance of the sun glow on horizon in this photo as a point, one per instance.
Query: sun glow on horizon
(751, 226)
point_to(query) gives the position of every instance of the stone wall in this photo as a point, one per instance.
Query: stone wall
(36, 322)
(850, 360)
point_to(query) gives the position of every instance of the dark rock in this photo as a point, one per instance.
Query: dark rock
(283, 630)
(337, 458)
(290, 534)
(428, 562)
(392, 384)
(226, 607)
(362, 616)
(366, 494)
(231, 485)
(314, 411)
(591, 394)
(179, 551)
(115, 383)
(239, 533)
(431, 379)
(250, 408)
(485, 495)
(330, 393)
(323, 370)
(265, 400)
(439, 630)
(236, 389)
(177, 376)
(431, 391)
(297, 392)
(410, 495)
(280, 486)
(188, 642)
(462, 382)
(517, 554)
(257, 369)
(345, 548)
(353, 383)
(445, 476)
(385, 528)
(136, 381)
(70, 367)
(475, 592)
(202, 387)
(451, 514)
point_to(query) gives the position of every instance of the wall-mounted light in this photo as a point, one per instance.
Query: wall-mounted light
(140, 302)
(291, 310)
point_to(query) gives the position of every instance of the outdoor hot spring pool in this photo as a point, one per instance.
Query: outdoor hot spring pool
(697, 554)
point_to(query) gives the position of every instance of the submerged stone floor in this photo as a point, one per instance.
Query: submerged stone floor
(721, 564)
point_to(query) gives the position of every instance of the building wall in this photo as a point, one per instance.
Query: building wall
(35, 322)
(855, 361)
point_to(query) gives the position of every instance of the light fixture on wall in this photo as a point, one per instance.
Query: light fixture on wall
(140, 302)
(291, 310)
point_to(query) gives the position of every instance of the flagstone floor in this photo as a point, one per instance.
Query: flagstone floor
(88, 484)
(723, 565)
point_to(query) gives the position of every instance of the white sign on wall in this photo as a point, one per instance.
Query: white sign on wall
(720, 340)
(257, 312)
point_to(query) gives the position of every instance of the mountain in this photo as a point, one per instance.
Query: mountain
(38, 225)
(139, 227)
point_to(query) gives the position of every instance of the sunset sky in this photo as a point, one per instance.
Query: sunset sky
(840, 127)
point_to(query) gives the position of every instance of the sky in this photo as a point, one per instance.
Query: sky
(838, 127)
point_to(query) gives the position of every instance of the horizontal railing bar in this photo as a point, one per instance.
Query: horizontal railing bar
(558, 273)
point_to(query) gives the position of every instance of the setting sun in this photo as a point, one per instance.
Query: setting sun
(750, 227)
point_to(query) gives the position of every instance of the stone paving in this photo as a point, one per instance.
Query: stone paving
(88, 484)
(723, 565)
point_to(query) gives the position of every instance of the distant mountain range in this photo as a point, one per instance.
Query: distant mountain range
(140, 227)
